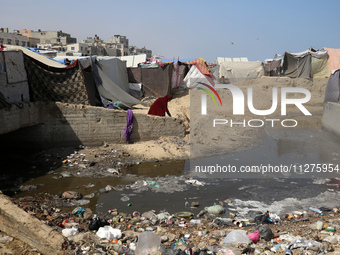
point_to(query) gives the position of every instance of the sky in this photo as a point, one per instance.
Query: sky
(257, 29)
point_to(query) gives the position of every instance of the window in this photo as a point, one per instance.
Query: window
(72, 48)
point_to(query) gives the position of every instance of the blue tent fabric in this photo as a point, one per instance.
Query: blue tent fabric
(165, 60)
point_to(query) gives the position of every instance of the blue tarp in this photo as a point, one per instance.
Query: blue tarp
(164, 60)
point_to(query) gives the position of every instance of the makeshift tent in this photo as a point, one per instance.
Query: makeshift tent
(116, 70)
(320, 67)
(273, 67)
(333, 87)
(194, 76)
(239, 71)
(35, 55)
(65, 85)
(219, 60)
(215, 71)
(134, 74)
(110, 90)
(295, 66)
(180, 70)
(157, 81)
(333, 59)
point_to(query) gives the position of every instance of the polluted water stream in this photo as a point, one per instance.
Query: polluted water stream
(177, 186)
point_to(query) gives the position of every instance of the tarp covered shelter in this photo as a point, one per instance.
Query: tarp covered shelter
(194, 76)
(273, 67)
(109, 90)
(333, 87)
(116, 70)
(64, 85)
(307, 64)
(157, 81)
(41, 58)
(239, 71)
(295, 66)
(180, 70)
(333, 59)
(219, 60)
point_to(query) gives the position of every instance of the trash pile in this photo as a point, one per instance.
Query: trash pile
(212, 231)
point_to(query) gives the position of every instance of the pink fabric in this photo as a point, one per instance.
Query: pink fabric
(202, 66)
(333, 59)
(254, 236)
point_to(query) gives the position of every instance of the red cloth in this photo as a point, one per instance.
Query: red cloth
(160, 106)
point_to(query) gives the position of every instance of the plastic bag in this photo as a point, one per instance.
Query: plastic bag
(254, 237)
(109, 233)
(148, 243)
(214, 209)
(265, 232)
(96, 223)
(69, 232)
(237, 237)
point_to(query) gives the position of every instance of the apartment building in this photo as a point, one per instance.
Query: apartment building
(14, 38)
(133, 50)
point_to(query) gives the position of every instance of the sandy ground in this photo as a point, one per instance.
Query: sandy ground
(203, 139)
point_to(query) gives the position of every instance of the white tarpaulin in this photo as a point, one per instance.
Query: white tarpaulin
(219, 60)
(133, 61)
(193, 77)
(239, 71)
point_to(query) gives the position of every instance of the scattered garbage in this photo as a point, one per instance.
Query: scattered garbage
(208, 232)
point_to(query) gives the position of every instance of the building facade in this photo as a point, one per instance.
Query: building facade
(53, 37)
(13, 38)
(80, 48)
(120, 44)
(133, 50)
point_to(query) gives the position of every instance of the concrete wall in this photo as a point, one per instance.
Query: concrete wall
(57, 124)
(331, 117)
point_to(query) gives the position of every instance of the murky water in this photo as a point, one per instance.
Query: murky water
(162, 185)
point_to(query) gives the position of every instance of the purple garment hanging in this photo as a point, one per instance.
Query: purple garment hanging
(129, 125)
